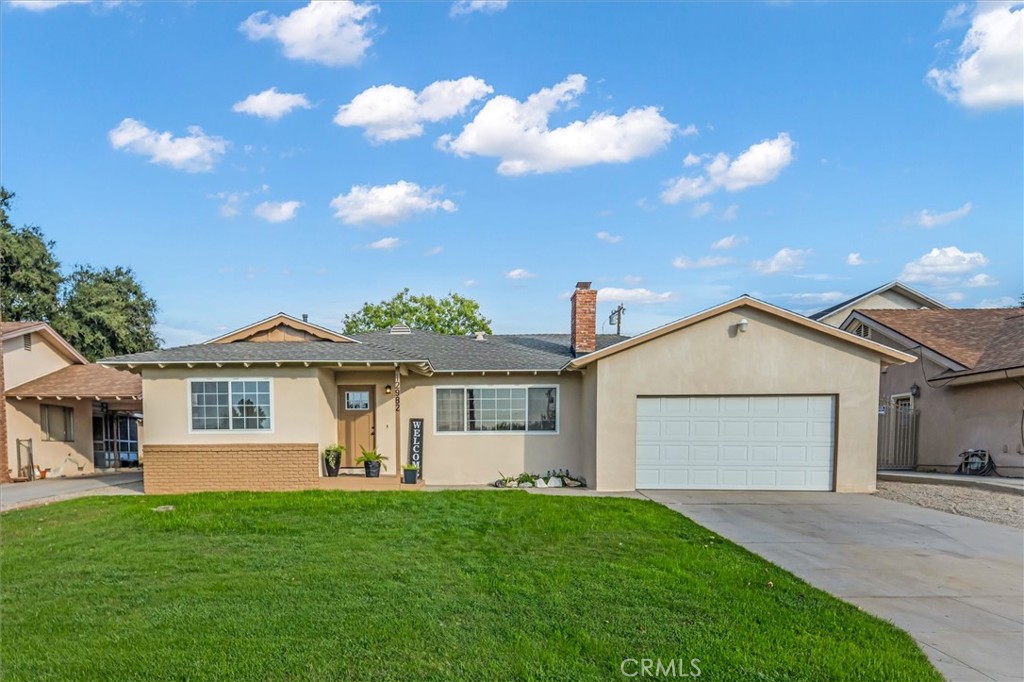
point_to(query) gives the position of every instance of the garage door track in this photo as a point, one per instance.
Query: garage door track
(955, 584)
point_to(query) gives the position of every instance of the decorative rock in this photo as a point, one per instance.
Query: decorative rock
(526, 484)
(513, 484)
(569, 483)
(500, 483)
(555, 482)
(164, 508)
(540, 483)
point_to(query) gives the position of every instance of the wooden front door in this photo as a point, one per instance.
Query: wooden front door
(356, 428)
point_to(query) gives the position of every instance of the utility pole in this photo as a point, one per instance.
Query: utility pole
(616, 317)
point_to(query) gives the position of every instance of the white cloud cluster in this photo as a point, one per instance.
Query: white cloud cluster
(334, 33)
(388, 204)
(758, 165)
(998, 302)
(272, 104)
(943, 266)
(639, 295)
(385, 244)
(982, 279)
(730, 242)
(277, 211)
(608, 237)
(519, 273)
(460, 7)
(784, 260)
(518, 133)
(820, 298)
(854, 259)
(684, 263)
(989, 70)
(43, 5)
(196, 152)
(926, 218)
(391, 112)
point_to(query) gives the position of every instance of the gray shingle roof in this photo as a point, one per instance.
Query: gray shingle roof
(267, 351)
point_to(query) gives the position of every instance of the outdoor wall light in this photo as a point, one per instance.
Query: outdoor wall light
(915, 391)
(387, 390)
(742, 324)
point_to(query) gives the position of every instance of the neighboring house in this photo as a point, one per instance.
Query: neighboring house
(65, 415)
(742, 396)
(967, 388)
(893, 295)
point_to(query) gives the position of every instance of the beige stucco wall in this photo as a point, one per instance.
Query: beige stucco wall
(59, 457)
(22, 365)
(884, 301)
(954, 418)
(710, 358)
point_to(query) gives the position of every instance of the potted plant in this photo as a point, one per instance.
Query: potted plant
(372, 461)
(332, 458)
(410, 472)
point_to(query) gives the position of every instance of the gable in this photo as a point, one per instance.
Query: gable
(32, 351)
(282, 328)
(892, 296)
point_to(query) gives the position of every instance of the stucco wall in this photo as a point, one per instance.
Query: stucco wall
(954, 418)
(883, 301)
(22, 365)
(710, 358)
(58, 457)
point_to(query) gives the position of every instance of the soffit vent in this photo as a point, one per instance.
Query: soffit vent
(400, 329)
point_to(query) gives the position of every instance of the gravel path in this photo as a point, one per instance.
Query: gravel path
(988, 505)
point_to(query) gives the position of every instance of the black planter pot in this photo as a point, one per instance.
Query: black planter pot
(331, 470)
(409, 476)
(372, 469)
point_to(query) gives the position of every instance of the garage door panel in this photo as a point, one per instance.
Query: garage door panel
(735, 442)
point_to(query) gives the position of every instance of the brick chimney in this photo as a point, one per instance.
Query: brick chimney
(583, 333)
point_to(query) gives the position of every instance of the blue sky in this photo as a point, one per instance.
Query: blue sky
(246, 158)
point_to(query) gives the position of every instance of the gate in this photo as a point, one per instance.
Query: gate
(897, 434)
(26, 464)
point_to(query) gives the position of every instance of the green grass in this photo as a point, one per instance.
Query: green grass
(410, 586)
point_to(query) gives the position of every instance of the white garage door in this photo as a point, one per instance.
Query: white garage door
(735, 442)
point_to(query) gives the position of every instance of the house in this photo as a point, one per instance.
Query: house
(744, 395)
(894, 295)
(966, 391)
(65, 415)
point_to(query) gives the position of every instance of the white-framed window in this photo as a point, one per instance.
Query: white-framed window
(230, 405)
(495, 409)
(57, 423)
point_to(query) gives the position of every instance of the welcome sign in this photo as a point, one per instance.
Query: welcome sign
(416, 444)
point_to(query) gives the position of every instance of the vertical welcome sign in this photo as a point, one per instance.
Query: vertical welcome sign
(416, 444)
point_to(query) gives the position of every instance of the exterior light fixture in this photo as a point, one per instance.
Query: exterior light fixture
(742, 324)
(387, 390)
(915, 391)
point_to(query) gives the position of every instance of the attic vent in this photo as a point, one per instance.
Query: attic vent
(481, 336)
(28, 341)
(400, 329)
(863, 331)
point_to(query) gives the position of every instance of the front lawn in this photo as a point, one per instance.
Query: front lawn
(410, 586)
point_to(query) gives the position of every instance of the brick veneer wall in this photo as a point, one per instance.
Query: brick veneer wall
(260, 467)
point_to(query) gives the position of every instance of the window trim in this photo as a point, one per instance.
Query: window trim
(44, 428)
(188, 405)
(465, 416)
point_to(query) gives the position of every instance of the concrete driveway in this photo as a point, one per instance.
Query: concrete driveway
(955, 584)
(33, 493)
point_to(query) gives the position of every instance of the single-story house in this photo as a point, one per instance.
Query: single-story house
(967, 389)
(891, 296)
(65, 415)
(742, 396)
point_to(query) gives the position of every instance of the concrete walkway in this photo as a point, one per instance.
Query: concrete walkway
(998, 483)
(34, 493)
(954, 583)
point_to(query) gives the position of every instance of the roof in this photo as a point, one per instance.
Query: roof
(12, 330)
(898, 286)
(434, 352)
(279, 319)
(980, 340)
(81, 381)
(889, 355)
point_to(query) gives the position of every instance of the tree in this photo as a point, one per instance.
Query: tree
(29, 272)
(107, 312)
(453, 314)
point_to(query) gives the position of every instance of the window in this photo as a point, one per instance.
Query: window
(486, 409)
(357, 400)
(230, 405)
(58, 423)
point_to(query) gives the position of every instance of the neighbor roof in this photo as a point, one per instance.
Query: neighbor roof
(13, 330)
(81, 381)
(891, 286)
(275, 321)
(981, 340)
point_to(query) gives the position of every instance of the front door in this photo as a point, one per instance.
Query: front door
(355, 421)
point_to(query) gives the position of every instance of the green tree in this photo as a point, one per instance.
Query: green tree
(453, 314)
(107, 312)
(29, 272)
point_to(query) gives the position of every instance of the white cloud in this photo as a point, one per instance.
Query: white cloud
(927, 218)
(519, 273)
(692, 159)
(730, 213)
(272, 104)
(730, 242)
(981, 280)
(954, 17)
(854, 258)
(196, 152)
(702, 209)
(391, 112)
(632, 279)
(518, 133)
(785, 260)
(230, 202)
(385, 244)
(640, 295)
(999, 302)
(334, 33)
(942, 267)
(989, 70)
(433, 251)
(822, 298)
(684, 263)
(469, 283)
(609, 237)
(954, 297)
(388, 204)
(759, 164)
(277, 211)
(43, 5)
(460, 7)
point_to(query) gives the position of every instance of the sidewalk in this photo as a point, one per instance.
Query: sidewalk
(47, 490)
(1005, 485)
